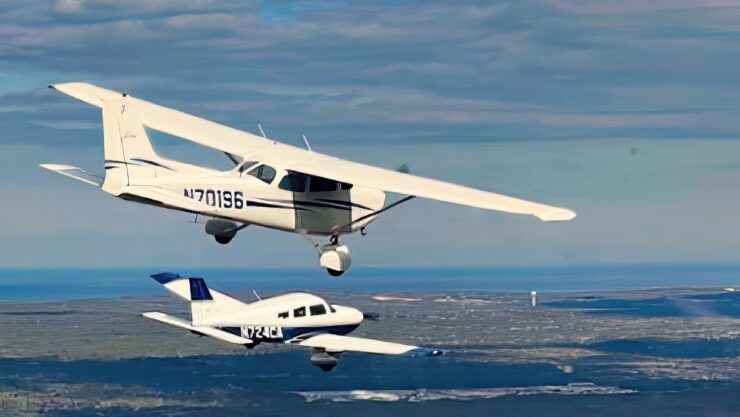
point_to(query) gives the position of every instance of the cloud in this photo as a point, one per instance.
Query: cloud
(636, 6)
(541, 99)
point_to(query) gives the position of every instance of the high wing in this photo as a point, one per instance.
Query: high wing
(174, 122)
(246, 145)
(201, 330)
(402, 183)
(332, 343)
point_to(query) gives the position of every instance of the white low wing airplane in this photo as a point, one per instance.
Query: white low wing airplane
(297, 318)
(272, 184)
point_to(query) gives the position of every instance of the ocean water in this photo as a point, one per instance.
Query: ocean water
(367, 385)
(62, 284)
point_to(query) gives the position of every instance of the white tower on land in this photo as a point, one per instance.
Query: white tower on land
(533, 293)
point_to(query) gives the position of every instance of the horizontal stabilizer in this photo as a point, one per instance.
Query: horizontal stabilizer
(335, 344)
(74, 172)
(202, 330)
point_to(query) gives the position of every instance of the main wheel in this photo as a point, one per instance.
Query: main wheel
(223, 239)
(334, 272)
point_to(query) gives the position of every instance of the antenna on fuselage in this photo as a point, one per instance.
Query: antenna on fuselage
(305, 140)
(256, 295)
(262, 131)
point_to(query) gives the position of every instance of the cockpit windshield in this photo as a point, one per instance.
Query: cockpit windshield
(317, 310)
(246, 165)
(264, 172)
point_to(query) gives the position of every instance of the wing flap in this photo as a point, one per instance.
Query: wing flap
(74, 172)
(402, 183)
(204, 330)
(334, 344)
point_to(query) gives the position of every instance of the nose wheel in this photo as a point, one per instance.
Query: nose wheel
(334, 256)
(222, 239)
(334, 272)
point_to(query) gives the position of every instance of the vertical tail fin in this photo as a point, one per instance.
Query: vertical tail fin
(206, 306)
(129, 155)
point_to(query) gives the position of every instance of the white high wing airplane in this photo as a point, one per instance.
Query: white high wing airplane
(272, 184)
(297, 318)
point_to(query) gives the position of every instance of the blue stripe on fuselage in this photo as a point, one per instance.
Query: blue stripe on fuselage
(290, 333)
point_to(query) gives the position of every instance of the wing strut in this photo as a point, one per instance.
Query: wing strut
(384, 209)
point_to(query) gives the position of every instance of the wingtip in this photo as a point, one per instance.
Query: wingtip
(558, 215)
(421, 351)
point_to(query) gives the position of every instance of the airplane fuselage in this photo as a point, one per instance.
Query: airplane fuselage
(286, 319)
(241, 197)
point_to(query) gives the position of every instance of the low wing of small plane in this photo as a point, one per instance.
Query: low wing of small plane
(332, 343)
(242, 145)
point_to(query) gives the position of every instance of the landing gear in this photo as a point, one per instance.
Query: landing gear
(334, 272)
(335, 257)
(223, 230)
(223, 239)
(323, 360)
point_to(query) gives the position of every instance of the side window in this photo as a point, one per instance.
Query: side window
(332, 309)
(283, 315)
(317, 310)
(345, 186)
(299, 312)
(294, 181)
(264, 172)
(319, 184)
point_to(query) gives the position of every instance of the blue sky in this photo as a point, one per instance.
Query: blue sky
(625, 111)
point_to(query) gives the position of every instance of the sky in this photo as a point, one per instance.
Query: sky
(626, 112)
